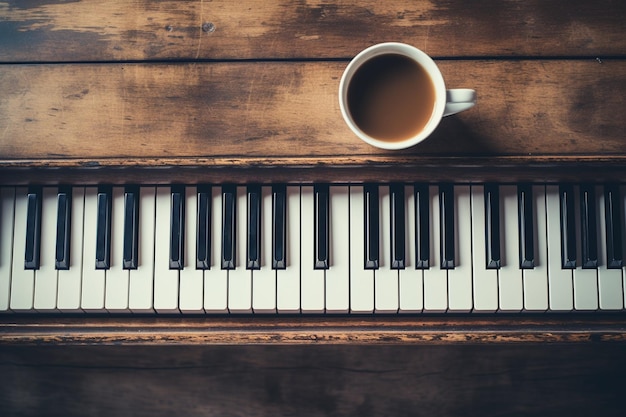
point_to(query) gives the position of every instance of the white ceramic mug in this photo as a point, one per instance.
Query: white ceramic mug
(447, 102)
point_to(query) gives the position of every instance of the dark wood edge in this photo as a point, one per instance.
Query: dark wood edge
(393, 157)
(313, 169)
(298, 330)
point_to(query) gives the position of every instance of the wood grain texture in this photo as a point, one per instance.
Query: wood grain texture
(503, 380)
(44, 30)
(323, 170)
(287, 114)
(338, 330)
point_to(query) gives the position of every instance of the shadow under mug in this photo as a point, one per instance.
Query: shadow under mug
(443, 103)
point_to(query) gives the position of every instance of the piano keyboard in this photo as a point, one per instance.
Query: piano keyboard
(396, 248)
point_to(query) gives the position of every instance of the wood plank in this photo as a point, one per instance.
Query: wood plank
(43, 30)
(324, 170)
(286, 110)
(311, 330)
(563, 380)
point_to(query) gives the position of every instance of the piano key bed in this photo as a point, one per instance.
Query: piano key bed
(313, 249)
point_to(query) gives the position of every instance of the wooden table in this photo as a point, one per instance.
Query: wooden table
(205, 85)
(239, 91)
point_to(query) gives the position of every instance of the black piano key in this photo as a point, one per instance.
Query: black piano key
(526, 227)
(492, 226)
(131, 228)
(279, 225)
(446, 224)
(63, 242)
(177, 228)
(203, 233)
(397, 228)
(613, 210)
(568, 227)
(229, 216)
(322, 227)
(588, 227)
(103, 228)
(33, 229)
(253, 247)
(422, 226)
(371, 226)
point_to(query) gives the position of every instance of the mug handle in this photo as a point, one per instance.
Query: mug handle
(459, 99)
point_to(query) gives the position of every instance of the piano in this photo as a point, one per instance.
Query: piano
(187, 224)
(347, 249)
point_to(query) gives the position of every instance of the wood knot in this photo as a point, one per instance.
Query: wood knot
(208, 27)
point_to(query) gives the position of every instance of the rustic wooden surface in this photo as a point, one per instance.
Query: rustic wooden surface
(45, 30)
(214, 85)
(216, 115)
(442, 380)
(295, 330)
(289, 110)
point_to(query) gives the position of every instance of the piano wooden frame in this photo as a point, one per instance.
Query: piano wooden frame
(315, 330)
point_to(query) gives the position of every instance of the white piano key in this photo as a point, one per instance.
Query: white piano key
(312, 280)
(510, 286)
(585, 289)
(22, 280)
(585, 280)
(46, 280)
(70, 280)
(93, 285)
(191, 279)
(264, 279)
(460, 278)
(361, 279)
(240, 278)
(435, 278)
(117, 278)
(7, 205)
(140, 293)
(166, 280)
(288, 279)
(410, 279)
(536, 280)
(338, 275)
(560, 285)
(611, 296)
(485, 280)
(216, 278)
(385, 279)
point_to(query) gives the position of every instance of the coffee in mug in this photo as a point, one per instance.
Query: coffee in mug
(392, 96)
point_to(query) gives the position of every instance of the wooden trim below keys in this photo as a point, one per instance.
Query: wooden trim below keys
(20, 330)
